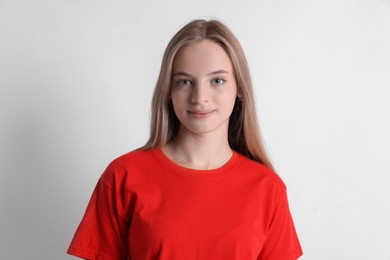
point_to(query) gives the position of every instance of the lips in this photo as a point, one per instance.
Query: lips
(200, 114)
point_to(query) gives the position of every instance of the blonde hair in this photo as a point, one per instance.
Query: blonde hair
(243, 133)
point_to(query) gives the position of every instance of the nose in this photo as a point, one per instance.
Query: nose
(200, 94)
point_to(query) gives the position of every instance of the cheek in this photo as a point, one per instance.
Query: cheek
(180, 97)
(178, 103)
(227, 99)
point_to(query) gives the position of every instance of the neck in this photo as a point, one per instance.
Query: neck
(202, 152)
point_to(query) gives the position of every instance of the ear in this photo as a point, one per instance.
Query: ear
(239, 95)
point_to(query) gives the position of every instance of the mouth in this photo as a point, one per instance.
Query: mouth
(201, 114)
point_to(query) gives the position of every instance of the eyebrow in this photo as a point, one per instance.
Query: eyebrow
(182, 73)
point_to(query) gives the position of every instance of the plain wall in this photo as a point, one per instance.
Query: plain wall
(76, 80)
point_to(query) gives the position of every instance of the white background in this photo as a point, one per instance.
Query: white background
(76, 82)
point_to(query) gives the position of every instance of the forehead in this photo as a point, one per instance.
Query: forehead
(201, 58)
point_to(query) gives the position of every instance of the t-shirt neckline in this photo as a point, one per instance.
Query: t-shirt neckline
(173, 167)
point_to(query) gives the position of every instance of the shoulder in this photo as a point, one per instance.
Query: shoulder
(267, 178)
(132, 159)
(128, 166)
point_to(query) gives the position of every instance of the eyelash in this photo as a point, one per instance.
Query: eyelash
(187, 82)
(218, 79)
(182, 82)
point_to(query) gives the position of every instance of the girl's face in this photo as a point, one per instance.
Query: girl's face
(203, 88)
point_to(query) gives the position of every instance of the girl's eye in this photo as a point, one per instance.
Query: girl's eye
(185, 82)
(218, 81)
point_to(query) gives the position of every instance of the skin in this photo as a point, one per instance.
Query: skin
(203, 93)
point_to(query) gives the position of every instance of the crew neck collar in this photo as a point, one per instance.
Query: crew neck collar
(173, 167)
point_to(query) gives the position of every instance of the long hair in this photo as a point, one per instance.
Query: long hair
(243, 131)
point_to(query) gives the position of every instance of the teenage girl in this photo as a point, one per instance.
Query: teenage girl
(202, 187)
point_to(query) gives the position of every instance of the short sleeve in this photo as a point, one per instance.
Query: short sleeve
(102, 233)
(282, 241)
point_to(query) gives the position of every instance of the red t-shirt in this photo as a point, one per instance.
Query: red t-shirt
(147, 207)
